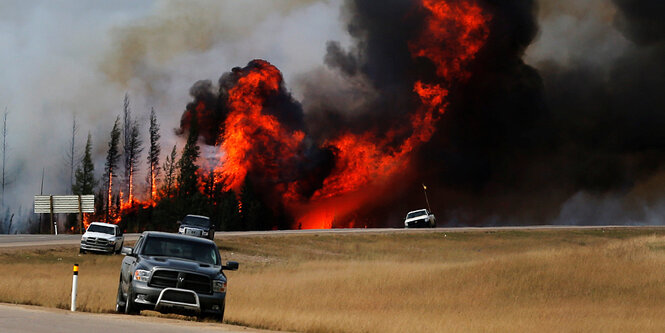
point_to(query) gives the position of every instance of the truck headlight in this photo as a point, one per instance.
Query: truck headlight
(218, 286)
(112, 242)
(181, 229)
(142, 275)
(205, 233)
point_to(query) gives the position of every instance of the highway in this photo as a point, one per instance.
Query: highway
(33, 319)
(22, 240)
(21, 318)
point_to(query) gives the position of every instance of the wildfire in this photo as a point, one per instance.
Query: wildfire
(86, 220)
(255, 142)
(253, 138)
(365, 160)
(153, 184)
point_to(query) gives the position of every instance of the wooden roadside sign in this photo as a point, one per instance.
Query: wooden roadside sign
(51, 204)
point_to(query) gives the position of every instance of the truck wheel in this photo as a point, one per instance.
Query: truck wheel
(81, 250)
(119, 302)
(220, 316)
(130, 306)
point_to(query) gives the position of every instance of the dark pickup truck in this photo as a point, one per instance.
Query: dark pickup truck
(197, 225)
(173, 273)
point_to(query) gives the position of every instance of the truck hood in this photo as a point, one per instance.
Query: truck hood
(189, 226)
(149, 262)
(417, 218)
(98, 235)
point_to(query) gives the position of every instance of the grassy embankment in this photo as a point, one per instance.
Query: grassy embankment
(554, 280)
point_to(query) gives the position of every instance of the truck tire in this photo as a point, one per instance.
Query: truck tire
(130, 306)
(220, 316)
(119, 301)
(217, 317)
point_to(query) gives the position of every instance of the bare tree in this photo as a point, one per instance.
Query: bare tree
(72, 154)
(4, 155)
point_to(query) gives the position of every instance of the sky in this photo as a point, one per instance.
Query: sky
(62, 59)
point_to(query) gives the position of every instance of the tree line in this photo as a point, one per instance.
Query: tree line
(172, 189)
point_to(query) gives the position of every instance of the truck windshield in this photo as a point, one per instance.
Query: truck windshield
(196, 221)
(101, 228)
(181, 248)
(416, 214)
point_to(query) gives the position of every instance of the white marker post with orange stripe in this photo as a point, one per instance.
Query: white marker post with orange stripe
(75, 278)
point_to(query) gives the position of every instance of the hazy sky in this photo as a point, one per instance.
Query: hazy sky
(65, 58)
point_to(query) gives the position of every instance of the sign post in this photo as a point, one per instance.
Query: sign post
(53, 204)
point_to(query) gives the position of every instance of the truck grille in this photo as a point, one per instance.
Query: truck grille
(193, 232)
(179, 296)
(96, 241)
(164, 278)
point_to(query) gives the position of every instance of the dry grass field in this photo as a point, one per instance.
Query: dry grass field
(610, 280)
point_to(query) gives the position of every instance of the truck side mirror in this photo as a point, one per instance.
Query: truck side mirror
(231, 266)
(128, 251)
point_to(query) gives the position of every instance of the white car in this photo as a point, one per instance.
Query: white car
(102, 237)
(420, 218)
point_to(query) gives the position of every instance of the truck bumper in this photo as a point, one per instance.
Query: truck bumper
(97, 248)
(417, 224)
(175, 300)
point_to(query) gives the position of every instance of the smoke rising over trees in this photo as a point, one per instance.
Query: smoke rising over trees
(559, 120)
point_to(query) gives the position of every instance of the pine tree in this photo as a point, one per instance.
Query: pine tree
(169, 174)
(188, 182)
(111, 165)
(228, 214)
(85, 174)
(153, 154)
(134, 150)
(131, 149)
(254, 215)
(126, 133)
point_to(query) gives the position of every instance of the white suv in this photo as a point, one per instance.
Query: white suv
(102, 237)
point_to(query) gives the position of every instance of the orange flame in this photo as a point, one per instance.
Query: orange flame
(252, 137)
(364, 161)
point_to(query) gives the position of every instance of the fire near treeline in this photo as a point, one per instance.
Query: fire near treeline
(435, 92)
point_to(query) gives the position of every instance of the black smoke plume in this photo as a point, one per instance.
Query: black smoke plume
(308, 169)
(517, 141)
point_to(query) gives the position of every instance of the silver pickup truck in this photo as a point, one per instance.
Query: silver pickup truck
(419, 218)
(102, 237)
(173, 273)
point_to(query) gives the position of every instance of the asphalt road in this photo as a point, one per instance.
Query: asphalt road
(68, 239)
(33, 319)
(47, 240)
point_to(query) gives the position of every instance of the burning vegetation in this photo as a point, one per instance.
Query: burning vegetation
(428, 91)
(261, 137)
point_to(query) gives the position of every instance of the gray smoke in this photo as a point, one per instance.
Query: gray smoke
(79, 58)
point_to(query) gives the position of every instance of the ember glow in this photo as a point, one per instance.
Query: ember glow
(255, 143)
